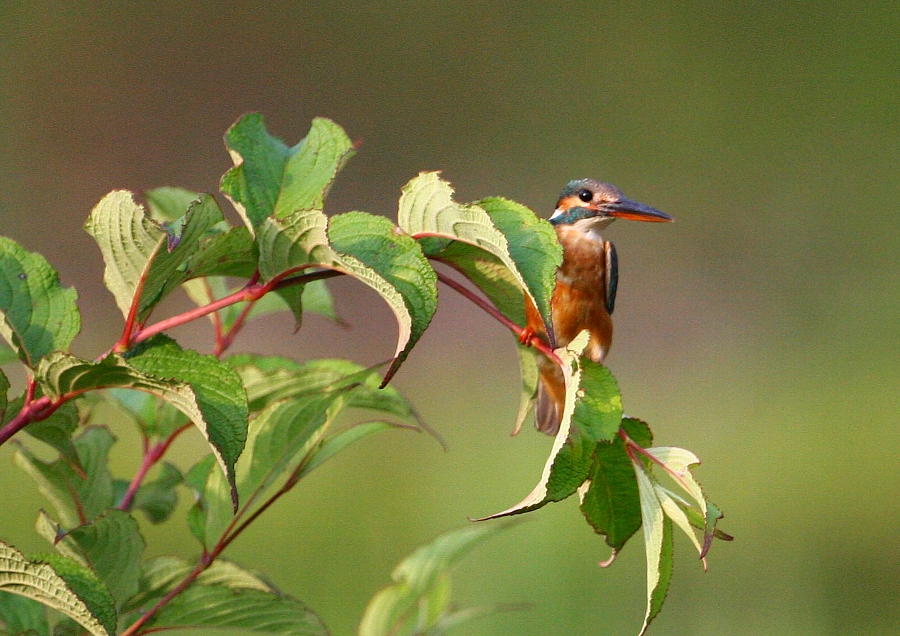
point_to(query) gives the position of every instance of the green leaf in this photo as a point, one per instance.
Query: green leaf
(7, 354)
(390, 263)
(56, 431)
(569, 462)
(158, 497)
(524, 244)
(280, 438)
(219, 395)
(60, 584)
(533, 247)
(22, 615)
(168, 203)
(225, 596)
(250, 610)
(196, 479)
(598, 412)
(612, 503)
(484, 269)
(399, 260)
(528, 371)
(161, 574)
(272, 378)
(268, 178)
(638, 431)
(206, 390)
(571, 466)
(4, 398)
(142, 256)
(112, 546)
(155, 417)
(421, 577)
(76, 496)
(37, 316)
(231, 252)
(333, 445)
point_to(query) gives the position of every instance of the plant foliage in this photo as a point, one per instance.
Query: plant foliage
(269, 421)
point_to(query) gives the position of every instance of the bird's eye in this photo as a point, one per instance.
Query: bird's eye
(585, 195)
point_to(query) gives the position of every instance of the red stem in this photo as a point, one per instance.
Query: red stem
(492, 311)
(33, 411)
(251, 292)
(151, 457)
(225, 340)
(125, 341)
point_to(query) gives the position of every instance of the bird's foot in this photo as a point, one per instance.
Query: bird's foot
(527, 336)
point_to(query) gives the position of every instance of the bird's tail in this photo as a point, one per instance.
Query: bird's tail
(546, 413)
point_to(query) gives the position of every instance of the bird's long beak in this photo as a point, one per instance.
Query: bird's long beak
(634, 211)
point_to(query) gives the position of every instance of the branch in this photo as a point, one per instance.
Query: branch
(36, 410)
(151, 457)
(251, 292)
(492, 311)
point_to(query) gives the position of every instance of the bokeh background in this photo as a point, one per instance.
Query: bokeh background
(761, 330)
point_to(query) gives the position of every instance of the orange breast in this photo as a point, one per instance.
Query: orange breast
(579, 300)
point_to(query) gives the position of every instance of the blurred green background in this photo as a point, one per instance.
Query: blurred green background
(761, 330)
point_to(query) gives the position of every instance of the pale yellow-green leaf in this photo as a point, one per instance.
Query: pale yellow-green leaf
(38, 581)
(572, 373)
(653, 517)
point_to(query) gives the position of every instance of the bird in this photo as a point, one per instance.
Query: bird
(585, 293)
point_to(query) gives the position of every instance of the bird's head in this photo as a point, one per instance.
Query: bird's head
(594, 205)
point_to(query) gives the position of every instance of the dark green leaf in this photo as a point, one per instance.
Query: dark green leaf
(399, 260)
(112, 546)
(61, 584)
(638, 430)
(158, 497)
(22, 615)
(196, 479)
(612, 503)
(571, 466)
(219, 393)
(269, 178)
(206, 390)
(229, 253)
(598, 412)
(533, 247)
(56, 431)
(37, 316)
(77, 497)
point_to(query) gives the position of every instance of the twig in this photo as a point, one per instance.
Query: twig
(151, 457)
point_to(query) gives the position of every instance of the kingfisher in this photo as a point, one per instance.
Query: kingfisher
(586, 281)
